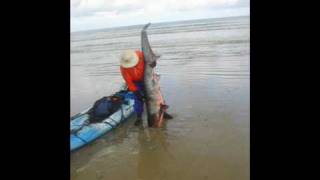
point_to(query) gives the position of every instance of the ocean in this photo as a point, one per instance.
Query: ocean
(204, 77)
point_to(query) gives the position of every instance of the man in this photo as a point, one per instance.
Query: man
(132, 70)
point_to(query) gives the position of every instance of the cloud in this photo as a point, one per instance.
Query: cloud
(91, 7)
(91, 14)
(75, 3)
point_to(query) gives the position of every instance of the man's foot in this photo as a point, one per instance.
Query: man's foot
(138, 122)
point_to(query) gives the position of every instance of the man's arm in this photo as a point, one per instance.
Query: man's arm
(127, 78)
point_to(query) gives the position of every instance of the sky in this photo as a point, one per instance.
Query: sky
(98, 14)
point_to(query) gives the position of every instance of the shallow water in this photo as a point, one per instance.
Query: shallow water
(204, 68)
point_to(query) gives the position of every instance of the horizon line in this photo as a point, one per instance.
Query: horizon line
(159, 22)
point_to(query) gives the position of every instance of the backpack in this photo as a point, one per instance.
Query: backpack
(104, 107)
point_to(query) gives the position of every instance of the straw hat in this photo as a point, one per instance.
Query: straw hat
(129, 59)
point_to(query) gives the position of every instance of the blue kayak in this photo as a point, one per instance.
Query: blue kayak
(82, 132)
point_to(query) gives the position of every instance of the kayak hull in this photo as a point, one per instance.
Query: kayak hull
(83, 132)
